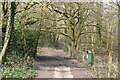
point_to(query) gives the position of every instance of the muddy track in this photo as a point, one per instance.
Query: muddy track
(56, 59)
(52, 59)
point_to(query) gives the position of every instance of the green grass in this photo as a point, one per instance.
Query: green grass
(17, 71)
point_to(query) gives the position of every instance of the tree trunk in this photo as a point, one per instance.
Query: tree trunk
(4, 19)
(118, 35)
(9, 31)
(36, 44)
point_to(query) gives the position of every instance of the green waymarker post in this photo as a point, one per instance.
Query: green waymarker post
(89, 57)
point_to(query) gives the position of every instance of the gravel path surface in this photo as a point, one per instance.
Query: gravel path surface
(53, 60)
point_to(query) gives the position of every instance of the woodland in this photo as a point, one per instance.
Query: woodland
(73, 27)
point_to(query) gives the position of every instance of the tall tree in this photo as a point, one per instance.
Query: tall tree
(118, 34)
(4, 18)
(74, 16)
(9, 30)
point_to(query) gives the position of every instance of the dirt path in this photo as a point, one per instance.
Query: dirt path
(57, 64)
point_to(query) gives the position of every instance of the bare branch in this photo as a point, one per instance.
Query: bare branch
(56, 32)
(27, 7)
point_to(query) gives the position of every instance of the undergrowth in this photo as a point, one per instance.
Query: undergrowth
(20, 69)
